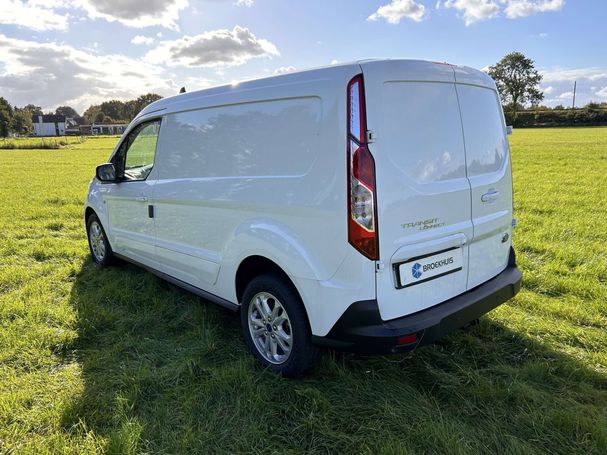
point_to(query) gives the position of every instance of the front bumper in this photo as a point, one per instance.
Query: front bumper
(361, 329)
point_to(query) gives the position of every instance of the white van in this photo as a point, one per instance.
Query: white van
(365, 206)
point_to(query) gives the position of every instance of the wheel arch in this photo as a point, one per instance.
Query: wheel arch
(88, 212)
(256, 265)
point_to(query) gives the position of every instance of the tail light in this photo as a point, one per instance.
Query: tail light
(362, 205)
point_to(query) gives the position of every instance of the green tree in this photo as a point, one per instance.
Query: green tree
(22, 121)
(517, 80)
(68, 111)
(115, 109)
(35, 110)
(90, 114)
(6, 117)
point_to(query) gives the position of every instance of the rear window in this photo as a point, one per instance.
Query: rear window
(422, 130)
(486, 143)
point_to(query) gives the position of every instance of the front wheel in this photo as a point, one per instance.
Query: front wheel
(275, 326)
(98, 243)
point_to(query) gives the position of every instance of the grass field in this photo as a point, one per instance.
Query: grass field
(31, 143)
(119, 361)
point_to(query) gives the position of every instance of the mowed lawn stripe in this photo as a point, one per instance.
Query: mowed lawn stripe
(118, 361)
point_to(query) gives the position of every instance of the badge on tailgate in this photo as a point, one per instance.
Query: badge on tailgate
(429, 267)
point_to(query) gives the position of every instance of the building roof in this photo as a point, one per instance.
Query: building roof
(49, 118)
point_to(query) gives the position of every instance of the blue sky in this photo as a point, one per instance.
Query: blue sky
(80, 52)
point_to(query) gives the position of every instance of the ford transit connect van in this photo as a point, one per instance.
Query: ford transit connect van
(365, 206)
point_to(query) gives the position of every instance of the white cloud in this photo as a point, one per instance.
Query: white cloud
(572, 74)
(394, 11)
(477, 10)
(522, 8)
(32, 15)
(136, 13)
(561, 80)
(474, 10)
(284, 69)
(212, 49)
(140, 39)
(50, 74)
(244, 3)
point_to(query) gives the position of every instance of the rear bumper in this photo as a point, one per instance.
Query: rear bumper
(362, 330)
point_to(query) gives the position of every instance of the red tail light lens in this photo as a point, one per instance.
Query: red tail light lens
(362, 206)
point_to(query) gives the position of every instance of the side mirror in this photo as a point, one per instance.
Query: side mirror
(509, 129)
(106, 172)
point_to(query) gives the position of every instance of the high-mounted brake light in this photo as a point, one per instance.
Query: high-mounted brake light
(362, 205)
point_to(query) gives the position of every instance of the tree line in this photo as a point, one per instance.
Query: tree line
(18, 120)
(518, 81)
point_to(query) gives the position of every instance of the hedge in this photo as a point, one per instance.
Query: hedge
(557, 117)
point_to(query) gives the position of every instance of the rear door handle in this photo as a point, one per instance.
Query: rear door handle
(141, 198)
(490, 196)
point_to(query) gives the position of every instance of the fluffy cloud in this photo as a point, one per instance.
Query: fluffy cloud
(474, 10)
(32, 15)
(284, 69)
(394, 11)
(136, 13)
(521, 8)
(477, 10)
(140, 39)
(49, 74)
(212, 49)
(244, 3)
(557, 85)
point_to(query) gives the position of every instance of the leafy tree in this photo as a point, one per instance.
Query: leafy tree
(67, 111)
(35, 110)
(6, 117)
(144, 100)
(22, 121)
(517, 80)
(90, 114)
(115, 109)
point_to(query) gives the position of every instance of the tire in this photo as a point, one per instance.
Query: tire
(269, 296)
(100, 248)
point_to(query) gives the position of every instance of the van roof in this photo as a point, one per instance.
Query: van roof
(462, 74)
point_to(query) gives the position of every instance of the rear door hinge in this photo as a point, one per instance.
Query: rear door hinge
(379, 266)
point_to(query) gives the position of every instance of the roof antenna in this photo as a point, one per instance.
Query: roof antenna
(182, 90)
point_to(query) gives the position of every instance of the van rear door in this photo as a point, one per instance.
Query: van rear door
(489, 172)
(423, 194)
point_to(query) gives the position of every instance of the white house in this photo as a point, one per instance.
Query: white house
(48, 125)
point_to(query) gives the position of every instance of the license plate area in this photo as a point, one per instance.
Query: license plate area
(429, 267)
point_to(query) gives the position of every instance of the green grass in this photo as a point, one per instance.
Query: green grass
(118, 361)
(32, 143)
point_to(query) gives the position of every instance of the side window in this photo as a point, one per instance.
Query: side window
(136, 157)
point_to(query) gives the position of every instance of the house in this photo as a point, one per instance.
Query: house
(107, 128)
(71, 127)
(48, 125)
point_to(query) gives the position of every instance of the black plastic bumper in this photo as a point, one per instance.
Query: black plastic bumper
(361, 329)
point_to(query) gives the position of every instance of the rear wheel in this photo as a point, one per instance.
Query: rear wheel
(275, 326)
(101, 251)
